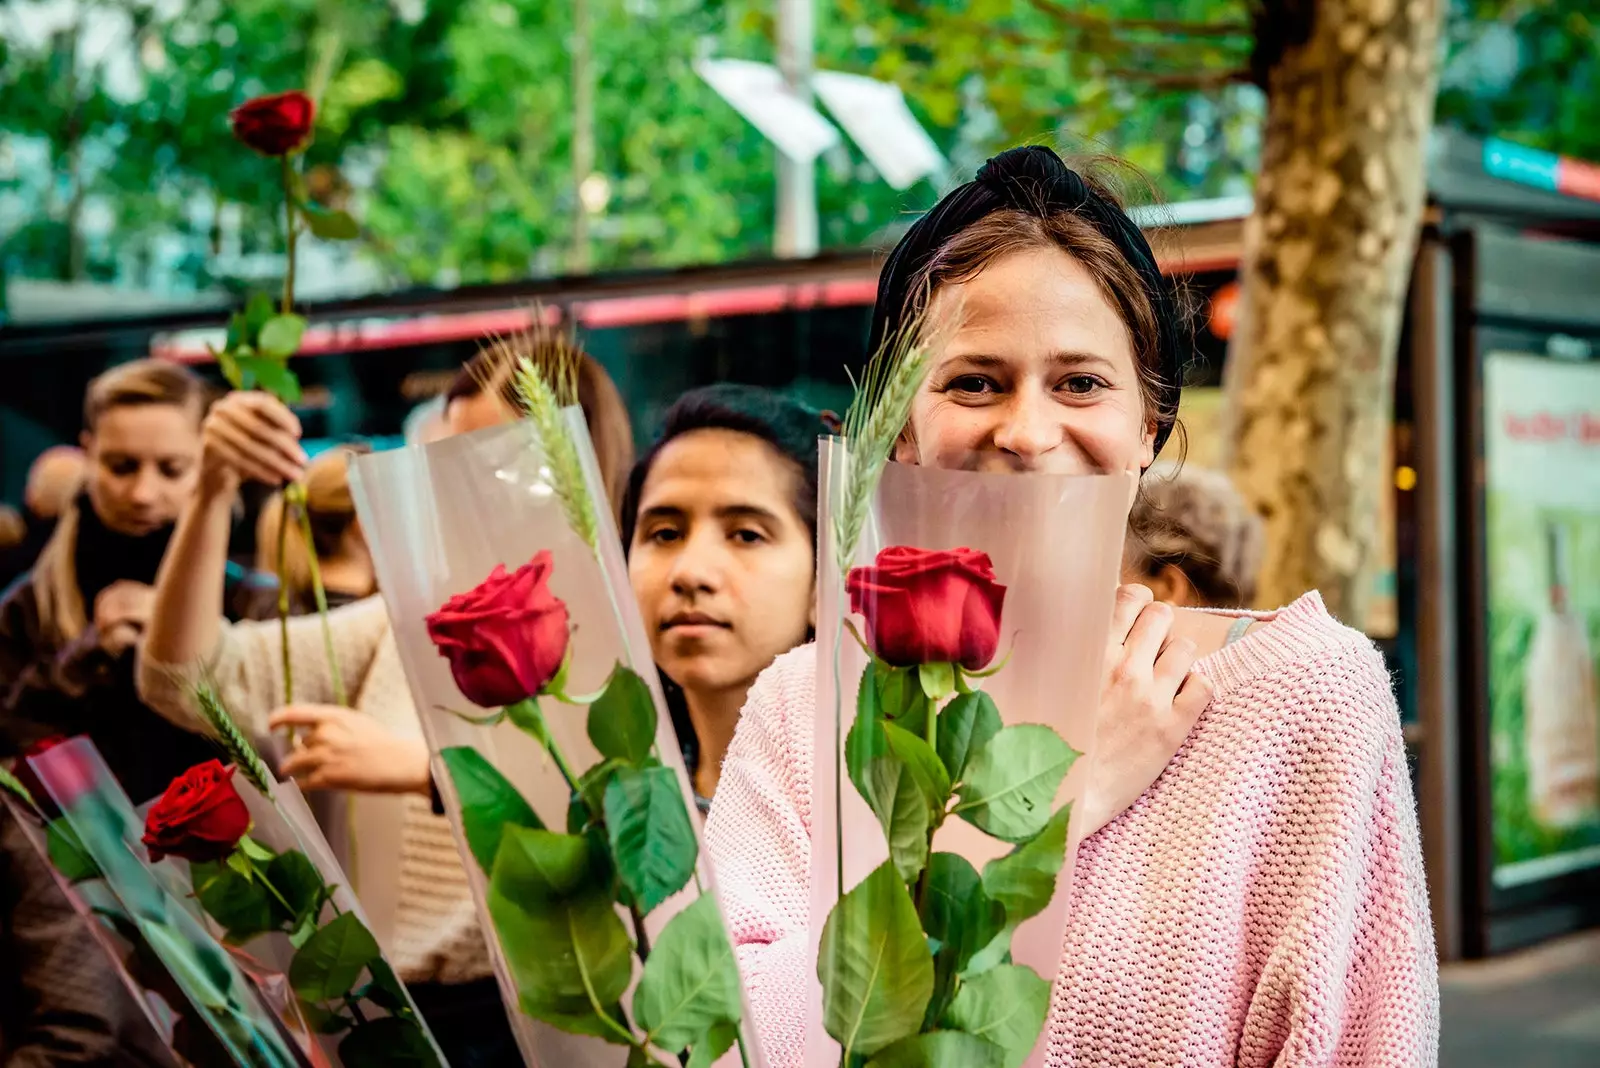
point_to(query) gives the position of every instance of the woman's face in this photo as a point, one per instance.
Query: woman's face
(722, 565)
(143, 460)
(1039, 376)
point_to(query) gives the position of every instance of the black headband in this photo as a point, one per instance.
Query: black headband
(1033, 179)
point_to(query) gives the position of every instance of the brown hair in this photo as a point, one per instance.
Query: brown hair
(331, 510)
(141, 382)
(609, 428)
(1000, 233)
(1193, 519)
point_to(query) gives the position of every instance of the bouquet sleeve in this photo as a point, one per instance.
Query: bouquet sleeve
(106, 832)
(557, 765)
(962, 626)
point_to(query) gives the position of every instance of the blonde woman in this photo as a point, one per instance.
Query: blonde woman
(343, 562)
(69, 627)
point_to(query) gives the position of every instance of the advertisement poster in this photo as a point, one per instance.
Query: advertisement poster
(1542, 509)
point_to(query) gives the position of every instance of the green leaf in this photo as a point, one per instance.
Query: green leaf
(1006, 1005)
(228, 363)
(239, 903)
(488, 802)
(690, 983)
(960, 919)
(255, 850)
(652, 840)
(938, 681)
(923, 763)
(257, 310)
(330, 225)
(568, 950)
(939, 1049)
(704, 1051)
(269, 375)
(539, 865)
(67, 854)
(900, 697)
(866, 743)
(280, 336)
(592, 788)
(874, 964)
(385, 990)
(298, 882)
(331, 961)
(1011, 781)
(622, 720)
(325, 1021)
(1024, 880)
(965, 726)
(903, 812)
(390, 1040)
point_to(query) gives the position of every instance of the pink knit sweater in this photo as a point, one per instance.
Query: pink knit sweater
(1262, 903)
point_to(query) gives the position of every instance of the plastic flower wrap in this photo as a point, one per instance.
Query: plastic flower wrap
(560, 772)
(105, 833)
(248, 851)
(961, 630)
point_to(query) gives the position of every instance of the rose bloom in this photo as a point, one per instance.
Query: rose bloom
(201, 816)
(274, 125)
(506, 637)
(929, 607)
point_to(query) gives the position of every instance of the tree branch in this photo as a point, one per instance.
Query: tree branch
(1083, 21)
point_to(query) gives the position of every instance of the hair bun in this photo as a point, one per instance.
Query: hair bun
(1033, 177)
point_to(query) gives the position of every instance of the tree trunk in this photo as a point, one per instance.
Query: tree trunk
(580, 259)
(1327, 255)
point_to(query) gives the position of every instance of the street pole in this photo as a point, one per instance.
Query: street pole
(582, 49)
(797, 181)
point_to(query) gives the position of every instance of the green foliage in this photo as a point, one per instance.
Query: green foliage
(875, 965)
(690, 984)
(329, 964)
(652, 842)
(622, 720)
(1005, 1005)
(488, 802)
(1012, 779)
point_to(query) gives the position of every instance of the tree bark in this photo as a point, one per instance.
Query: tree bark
(1327, 255)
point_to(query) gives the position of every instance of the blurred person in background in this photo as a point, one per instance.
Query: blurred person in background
(343, 562)
(54, 479)
(373, 751)
(69, 628)
(1193, 540)
(720, 526)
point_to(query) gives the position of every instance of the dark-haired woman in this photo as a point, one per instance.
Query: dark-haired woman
(1249, 889)
(720, 524)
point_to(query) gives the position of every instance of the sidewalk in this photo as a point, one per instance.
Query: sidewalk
(1536, 1009)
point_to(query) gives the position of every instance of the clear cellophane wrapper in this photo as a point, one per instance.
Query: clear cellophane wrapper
(283, 824)
(438, 519)
(154, 899)
(1056, 544)
(108, 925)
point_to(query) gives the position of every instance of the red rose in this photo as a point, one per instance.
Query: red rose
(506, 638)
(274, 125)
(927, 607)
(30, 778)
(200, 817)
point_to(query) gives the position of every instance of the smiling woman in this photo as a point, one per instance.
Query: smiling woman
(720, 525)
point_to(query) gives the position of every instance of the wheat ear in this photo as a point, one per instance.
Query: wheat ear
(545, 388)
(241, 754)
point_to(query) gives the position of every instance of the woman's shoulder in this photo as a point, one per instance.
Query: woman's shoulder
(1306, 663)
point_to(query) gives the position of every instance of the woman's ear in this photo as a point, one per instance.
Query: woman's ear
(1172, 586)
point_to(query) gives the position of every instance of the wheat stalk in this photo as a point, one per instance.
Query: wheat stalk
(240, 752)
(542, 365)
(877, 417)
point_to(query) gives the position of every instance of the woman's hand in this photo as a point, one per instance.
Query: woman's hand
(250, 435)
(1148, 704)
(339, 749)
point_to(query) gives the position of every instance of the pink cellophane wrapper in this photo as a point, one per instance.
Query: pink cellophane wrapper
(86, 897)
(1056, 544)
(438, 518)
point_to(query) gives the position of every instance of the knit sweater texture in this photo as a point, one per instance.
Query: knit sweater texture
(1260, 904)
(404, 852)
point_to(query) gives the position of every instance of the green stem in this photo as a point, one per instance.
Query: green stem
(273, 890)
(641, 939)
(932, 731)
(838, 762)
(744, 1054)
(303, 514)
(289, 231)
(283, 607)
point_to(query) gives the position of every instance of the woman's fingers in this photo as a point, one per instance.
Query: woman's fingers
(1149, 634)
(1172, 667)
(1131, 600)
(1193, 696)
(297, 716)
(265, 455)
(260, 430)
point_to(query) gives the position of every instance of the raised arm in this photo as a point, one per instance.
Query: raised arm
(246, 435)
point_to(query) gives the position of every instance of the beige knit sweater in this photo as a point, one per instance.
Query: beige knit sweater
(406, 869)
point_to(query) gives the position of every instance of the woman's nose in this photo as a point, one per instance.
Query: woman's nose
(1027, 429)
(697, 566)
